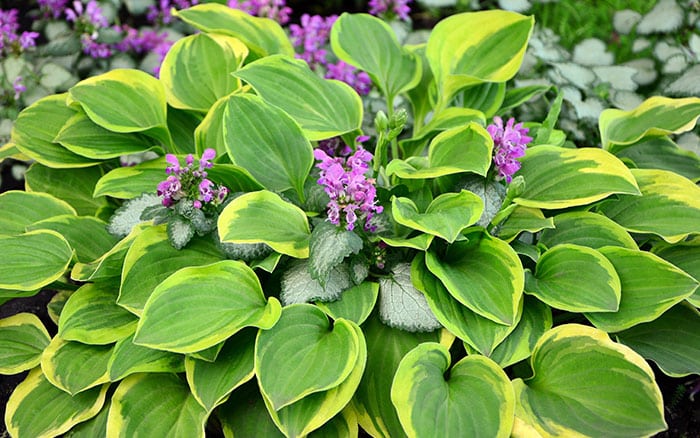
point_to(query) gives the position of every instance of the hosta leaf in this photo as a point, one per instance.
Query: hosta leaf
(207, 58)
(586, 229)
(492, 193)
(586, 385)
(298, 286)
(575, 278)
(302, 341)
(210, 131)
(87, 235)
(36, 127)
(197, 307)
(74, 186)
(266, 142)
(151, 259)
(130, 182)
(486, 97)
(37, 408)
(315, 410)
(21, 209)
(446, 216)
(393, 69)
(34, 259)
(558, 177)
(82, 136)
(669, 206)
(355, 304)
(91, 316)
(95, 426)
(421, 241)
(534, 322)
(650, 286)
(476, 398)
(386, 347)
(461, 49)
(452, 117)
(662, 153)
(403, 306)
(686, 257)
(343, 425)
(245, 414)
(323, 108)
(524, 219)
(518, 96)
(265, 217)
(155, 405)
(22, 339)
(484, 273)
(125, 100)
(212, 382)
(235, 178)
(263, 36)
(129, 358)
(328, 246)
(655, 116)
(75, 367)
(480, 333)
(672, 341)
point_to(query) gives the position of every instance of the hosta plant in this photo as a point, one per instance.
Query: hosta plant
(275, 272)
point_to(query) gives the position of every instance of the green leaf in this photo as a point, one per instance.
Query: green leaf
(475, 399)
(403, 306)
(517, 96)
(210, 131)
(96, 426)
(576, 279)
(420, 242)
(125, 100)
(91, 316)
(74, 186)
(262, 36)
(75, 367)
(212, 382)
(394, 69)
(486, 97)
(23, 337)
(452, 117)
(196, 307)
(669, 206)
(457, 150)
(472, 48)
(129, 358)
(654, 117)
(672, 341)
(586, 229)
(38, 408)
(206, 58)
(343, 425)
(663, 154)
(245, 414)
(182, 124)
(263, 217)
(21, 209)
(687, 257)
(109, 265)
(130, 182)
(480, 333)
(87, 235)
(585, 384)
(315, 356)
(36, 127)
(151, 259)
(266, 142)
(355, 304)
(299, 287)
(484, 273)
(328, 246)
(446, 216)
(650, 286)
(155, 405)
(323, 108)
(535, 321)
(82, 136)
(522, 219)
(235, 178)
(386, 347)
(558, 177)
(34, 260)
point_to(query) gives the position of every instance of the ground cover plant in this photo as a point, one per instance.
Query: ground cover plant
(274, 270)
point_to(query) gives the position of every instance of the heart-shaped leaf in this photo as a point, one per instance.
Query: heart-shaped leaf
(132, 181)
(75, 367)
(87, 235)
(129, 358)
(355, 304)
(23, 338)
(586, 229)
(21, 209)
(74, 186)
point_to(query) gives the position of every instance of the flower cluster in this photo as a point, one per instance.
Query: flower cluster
(52, 8)
(10, 40)
(274, 9)
(352, 194)
(191, 183)
(399, 8)
(88, 20)
(162, 11)
(509, 143)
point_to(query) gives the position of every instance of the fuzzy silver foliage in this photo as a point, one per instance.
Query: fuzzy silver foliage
(403, 306)
(299, 287)
(666, 16)
(129, 214)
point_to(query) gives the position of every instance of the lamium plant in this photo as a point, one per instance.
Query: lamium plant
(270, 270)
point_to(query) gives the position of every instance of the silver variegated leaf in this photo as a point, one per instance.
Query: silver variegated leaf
(129, 214)
(299, 287)
(403, 306)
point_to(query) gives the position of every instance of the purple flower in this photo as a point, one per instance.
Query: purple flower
(509, 143)
(26, 40)
(142, 41)
(273, 9)
(390, 8)
(358, 80)
(352, 195)
(10, 40)
(312, 37)
(189, 182)
(162, 13)
(54, 8)
(88, 20)
(18, 86)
